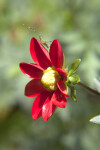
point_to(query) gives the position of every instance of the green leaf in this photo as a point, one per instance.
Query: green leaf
(74, 79)
(74, 66)
(95, 119)
(73, 93)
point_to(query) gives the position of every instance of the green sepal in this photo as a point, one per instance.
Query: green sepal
(74, 79)
(74, 66)
(66, 88)
(73, 93)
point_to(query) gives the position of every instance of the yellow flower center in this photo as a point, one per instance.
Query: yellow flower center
(50, 78)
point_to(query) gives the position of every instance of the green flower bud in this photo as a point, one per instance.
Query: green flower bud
(74, 66)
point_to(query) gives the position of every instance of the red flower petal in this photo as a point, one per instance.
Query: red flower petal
(63, 74)
(31, 70)
(38, 104)
(39, 54)
(59, 99)
(56, 54)
(62, 89)
(51, 110)
(61, 84)
(33, 88)
(39, 115)
(48, 109)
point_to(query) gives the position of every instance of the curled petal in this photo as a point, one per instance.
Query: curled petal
(63, 74)
(39, 54)
(59, 99)
(61, 84)
(48, 108)
(56, 54)
(62, 89)
(38, 104)
(31, 70)
(33, 88)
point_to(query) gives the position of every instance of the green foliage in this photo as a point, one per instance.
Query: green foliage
(74, 79)
(74, 66)
(73, 92)
(96, 119)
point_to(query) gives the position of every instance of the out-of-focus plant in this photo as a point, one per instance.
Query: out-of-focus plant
(96, 119)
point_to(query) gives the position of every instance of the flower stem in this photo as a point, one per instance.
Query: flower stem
(88, 88)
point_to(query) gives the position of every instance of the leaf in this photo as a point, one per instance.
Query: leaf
(74, 66)
(95, 119)
(73, 92)
(74, 79)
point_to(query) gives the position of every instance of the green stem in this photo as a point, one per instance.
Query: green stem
(88, 88)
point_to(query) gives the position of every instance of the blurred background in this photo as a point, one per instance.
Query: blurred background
(76, 24)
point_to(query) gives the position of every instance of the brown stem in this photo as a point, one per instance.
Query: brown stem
(88, 88)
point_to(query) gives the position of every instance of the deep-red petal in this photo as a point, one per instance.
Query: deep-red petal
(33, 88)
(38, 104)
(56, 54)
(38, 115)
(63, 74)
(48, 108)
(39, 54)
(31, 70)
(62, 88)
(59, 99)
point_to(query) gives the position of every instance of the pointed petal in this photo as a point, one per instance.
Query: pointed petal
(56, 54)
(48, 108)
(38, 103)
(61, 84)
(33, 88)
(38, 115)
(62, 89)
(31, 70)
(59, 99)
(51, 110)
(63, 74)
(39, 54)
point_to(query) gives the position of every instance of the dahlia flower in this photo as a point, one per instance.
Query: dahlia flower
(48, 79)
